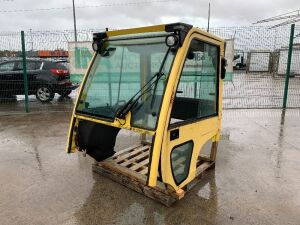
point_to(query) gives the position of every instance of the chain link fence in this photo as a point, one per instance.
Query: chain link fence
(255, 78)
(259, 67)
(46, 55)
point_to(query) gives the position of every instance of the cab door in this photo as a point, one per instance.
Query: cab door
(32, 69)
(7, 86)
(196, 111)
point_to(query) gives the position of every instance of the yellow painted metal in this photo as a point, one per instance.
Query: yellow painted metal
(200, 132)
(71, 147)
(162, 124)
(211, 37)
(124, 124)
(117, 123)
(120, 123)
(157, 28)
(204, 130)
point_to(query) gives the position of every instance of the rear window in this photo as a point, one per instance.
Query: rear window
(54, 65)
(61, 66)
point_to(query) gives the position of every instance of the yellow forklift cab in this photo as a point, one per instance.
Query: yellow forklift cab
(163, 82)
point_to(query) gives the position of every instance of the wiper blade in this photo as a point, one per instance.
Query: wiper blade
(124, 109)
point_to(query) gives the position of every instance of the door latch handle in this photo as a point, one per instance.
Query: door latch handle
(174, 134)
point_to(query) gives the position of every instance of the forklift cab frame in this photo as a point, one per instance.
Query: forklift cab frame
(176, 98)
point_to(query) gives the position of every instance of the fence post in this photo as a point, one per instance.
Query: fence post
(288, 67)
(24, 71)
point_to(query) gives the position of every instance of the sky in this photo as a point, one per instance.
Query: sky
(116, 14)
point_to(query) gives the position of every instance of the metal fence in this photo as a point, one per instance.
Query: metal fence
(259, 63)
(41, 46)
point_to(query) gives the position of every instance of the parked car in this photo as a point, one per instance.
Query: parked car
(45, 78)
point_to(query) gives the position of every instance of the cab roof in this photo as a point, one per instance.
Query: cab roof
(172, 27)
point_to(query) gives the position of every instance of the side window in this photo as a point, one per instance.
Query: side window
(48, 65)
(197, 91)
(180, 161)
(19, 66)
(6, 67)
(29, 66)
(38, 65)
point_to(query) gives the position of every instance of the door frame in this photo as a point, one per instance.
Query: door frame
(202, 130)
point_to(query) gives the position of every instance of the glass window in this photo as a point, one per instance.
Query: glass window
(29, 65)
(38, 65)
(180, 161)
(128, 72)
(6, 67)
(19, 66)
(62, 65)
(145, 112)
(47, 65)
(197, 92)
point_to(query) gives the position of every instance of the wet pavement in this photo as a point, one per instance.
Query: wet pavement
(256, 179)
(16, 104)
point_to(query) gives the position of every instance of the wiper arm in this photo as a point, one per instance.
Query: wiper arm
(121, 113)
(124, 109)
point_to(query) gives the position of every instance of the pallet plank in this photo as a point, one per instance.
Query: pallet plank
(131, 153)
(130, 168)
(144, 171)
(140, 164)
(136, 185)
(119, 153)
(135, 159)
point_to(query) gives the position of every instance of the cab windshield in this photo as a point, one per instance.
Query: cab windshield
(127, 71)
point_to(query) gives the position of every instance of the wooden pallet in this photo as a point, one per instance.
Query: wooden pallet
(130, 168)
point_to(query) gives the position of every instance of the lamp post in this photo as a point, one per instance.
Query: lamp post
(208, 19)
(74, 20)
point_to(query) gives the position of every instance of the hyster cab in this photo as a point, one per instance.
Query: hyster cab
(164, 83)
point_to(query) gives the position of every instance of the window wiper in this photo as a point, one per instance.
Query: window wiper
(124, 109)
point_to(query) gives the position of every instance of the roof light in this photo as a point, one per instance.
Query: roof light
(171, 40)
(95, 46)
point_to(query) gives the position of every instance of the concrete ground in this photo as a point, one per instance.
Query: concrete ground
(256, 179)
